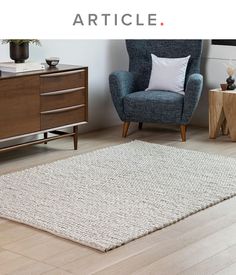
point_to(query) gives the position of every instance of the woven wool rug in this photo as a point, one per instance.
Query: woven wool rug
(109, 197)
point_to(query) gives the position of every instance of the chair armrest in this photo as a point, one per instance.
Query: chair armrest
(121, 83)
(192, 95)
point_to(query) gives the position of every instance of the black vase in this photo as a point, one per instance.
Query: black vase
(19, 52)
(230, 81)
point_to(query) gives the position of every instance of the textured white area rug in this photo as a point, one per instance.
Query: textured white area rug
(109, 197)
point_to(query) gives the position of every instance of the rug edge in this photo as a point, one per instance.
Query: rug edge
(109, 248)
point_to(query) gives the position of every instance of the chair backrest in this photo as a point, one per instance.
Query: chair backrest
(140, 51)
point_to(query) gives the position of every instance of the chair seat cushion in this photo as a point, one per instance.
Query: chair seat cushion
(154, 106)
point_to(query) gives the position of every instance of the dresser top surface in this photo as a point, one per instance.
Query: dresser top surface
(47, 70)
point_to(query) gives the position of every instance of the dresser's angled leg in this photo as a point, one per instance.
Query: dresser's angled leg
(45, 135)
(75, 137)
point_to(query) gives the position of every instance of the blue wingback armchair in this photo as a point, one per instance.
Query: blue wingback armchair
(134, 104)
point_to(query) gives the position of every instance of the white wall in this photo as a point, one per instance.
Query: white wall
(101, 56)
(214, 61)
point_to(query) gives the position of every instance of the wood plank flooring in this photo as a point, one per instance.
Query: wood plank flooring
(204, 243)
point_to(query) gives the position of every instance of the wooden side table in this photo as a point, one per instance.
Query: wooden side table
(222, 113)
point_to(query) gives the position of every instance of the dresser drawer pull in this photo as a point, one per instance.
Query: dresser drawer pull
(62, 110)
(61, 74)
(67, 91)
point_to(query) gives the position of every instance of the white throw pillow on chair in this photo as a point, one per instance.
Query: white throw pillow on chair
(168, 74)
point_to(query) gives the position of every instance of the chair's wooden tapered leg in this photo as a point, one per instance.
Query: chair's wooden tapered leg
(140, 125)
(125, 129)
(183, 129)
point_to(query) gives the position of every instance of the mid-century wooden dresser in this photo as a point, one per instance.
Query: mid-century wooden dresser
(43, 101)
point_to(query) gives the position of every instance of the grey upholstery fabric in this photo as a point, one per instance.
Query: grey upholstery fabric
(121, 84)
(192, 96)
(155, 105)
(127, 88)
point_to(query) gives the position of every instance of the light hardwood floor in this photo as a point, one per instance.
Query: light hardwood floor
(204, 243)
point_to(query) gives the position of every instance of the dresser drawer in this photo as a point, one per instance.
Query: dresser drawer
(62, 99)
(64, 116)
(62, 81)
(19, 106)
